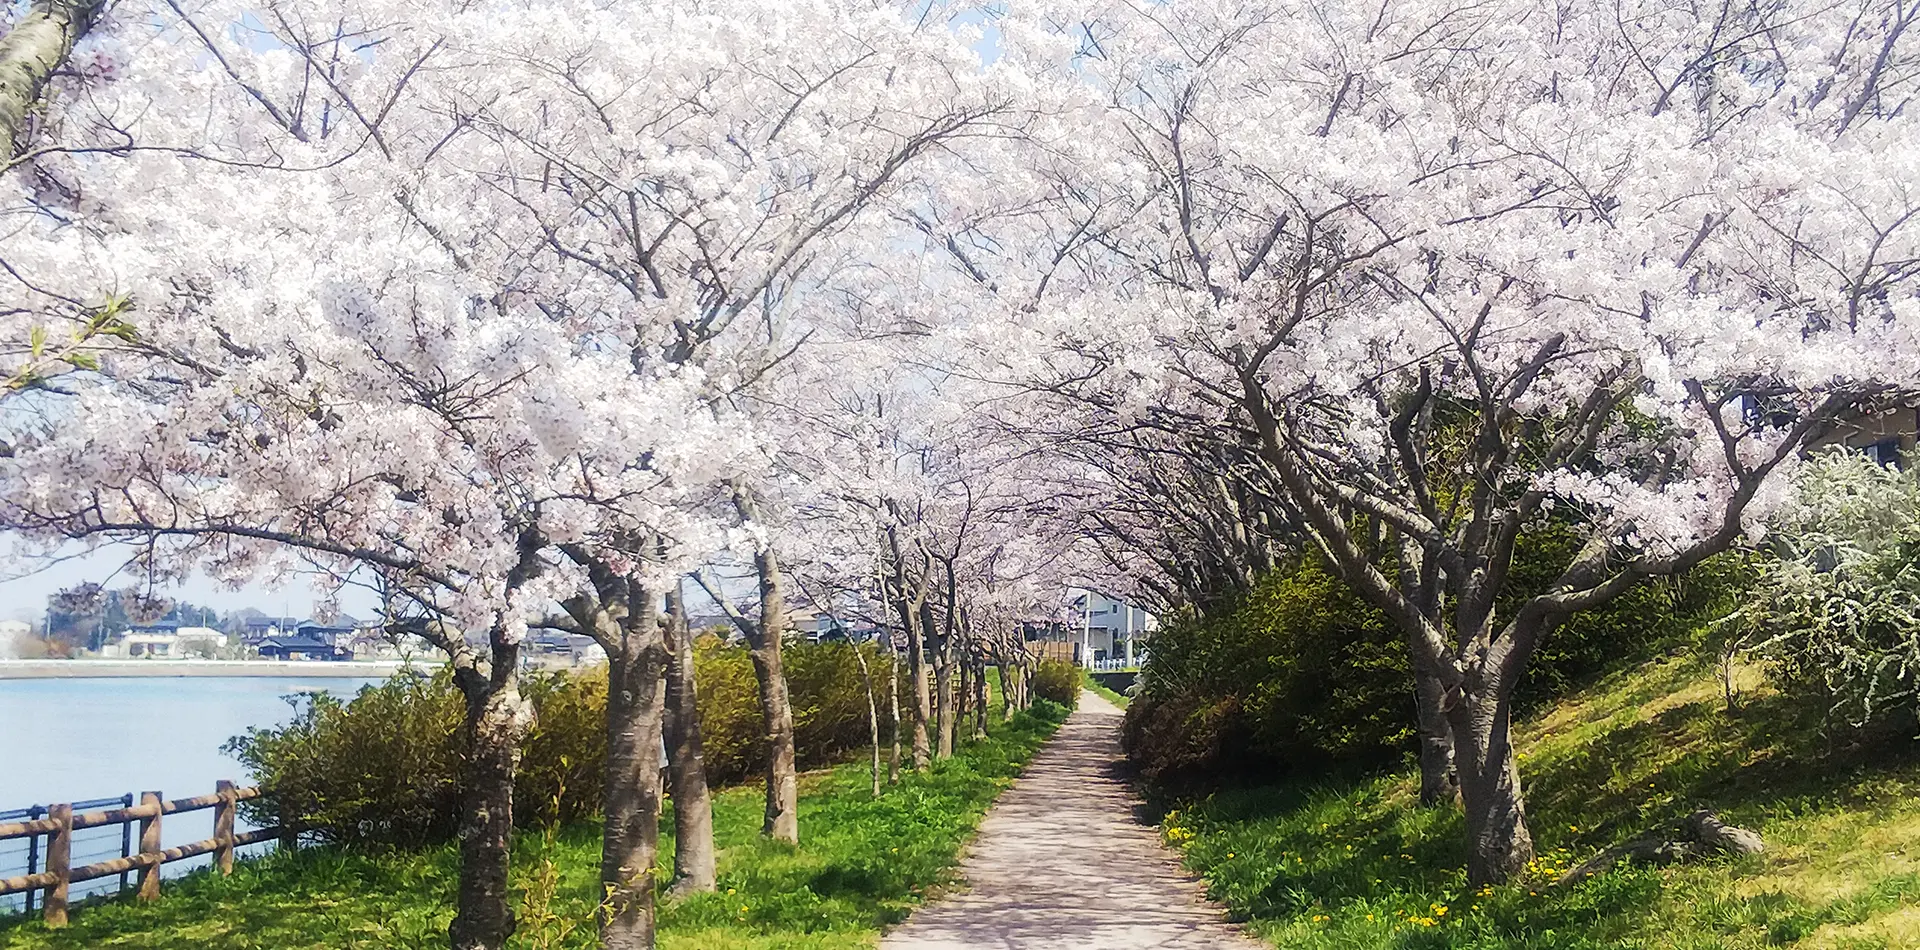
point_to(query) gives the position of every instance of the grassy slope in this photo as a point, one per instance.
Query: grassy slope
(1358, 865)
(862, 865)
(1118, 699)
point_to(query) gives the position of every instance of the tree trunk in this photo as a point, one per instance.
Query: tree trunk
(957, 699)
(776, 709)
(873, 712)
(693, 854)
(30, 53)
(922, 693)
(980, 698)
(1498, 843)
(963, 700)
(497, 719)
(893, 698)
(636, 700)
(1006, 691)
(1438, 783)
(943, 656)
(940, 651)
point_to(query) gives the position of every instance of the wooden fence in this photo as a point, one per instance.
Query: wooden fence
(61, 821)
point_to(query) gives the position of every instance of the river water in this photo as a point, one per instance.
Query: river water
(67, 740)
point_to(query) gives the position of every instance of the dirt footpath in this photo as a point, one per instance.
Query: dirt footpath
(1061, 862)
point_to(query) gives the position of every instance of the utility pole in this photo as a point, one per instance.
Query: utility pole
(1086, 629)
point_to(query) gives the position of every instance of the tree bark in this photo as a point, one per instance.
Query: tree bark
(1007, 688)
(30, 53)
(764, 635)
(873, 712)
(980, 700)
(1438, 783)
(636, 702)
(944, 697)
(1498, 842)
(943, 656)
(497, 719)
(776, 708)
(893, 698)
(922, 692)
(694, 865)
(910, 598)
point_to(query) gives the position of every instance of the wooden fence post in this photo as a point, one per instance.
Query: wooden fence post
(60, 862)
(223, 826)
(150, 844)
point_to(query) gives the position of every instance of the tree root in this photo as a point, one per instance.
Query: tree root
(1702, 834)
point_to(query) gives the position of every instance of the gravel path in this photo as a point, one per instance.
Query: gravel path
(1061, 863)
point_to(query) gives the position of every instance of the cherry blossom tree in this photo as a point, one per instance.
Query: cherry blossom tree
(1448, 268)
(480, 219)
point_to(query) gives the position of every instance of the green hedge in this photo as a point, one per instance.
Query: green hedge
(385, 765)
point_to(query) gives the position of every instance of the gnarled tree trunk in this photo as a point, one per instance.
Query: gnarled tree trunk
(1438, 784)
(943, 702)
(981, 698)
(1008, 691)
(922, 691)
(497, 719)
(1498, 843)
(630, 845)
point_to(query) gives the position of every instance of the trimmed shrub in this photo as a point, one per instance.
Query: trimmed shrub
(1057, 681)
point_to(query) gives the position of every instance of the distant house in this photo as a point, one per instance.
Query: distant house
(257, 629)
(1109, 629)
(1886, 435)
(149, 641)
(554, 647)
(198, 639)
(299, 647)
(827, 627)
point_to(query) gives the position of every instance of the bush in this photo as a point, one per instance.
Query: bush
(1303, 672)
(1837, 614)
(823, 683)
(385, 765)
(1057, 681)
(565, 754)
(1046, 710)
(381, 767)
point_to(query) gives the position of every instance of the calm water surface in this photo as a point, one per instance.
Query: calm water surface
(74, 739)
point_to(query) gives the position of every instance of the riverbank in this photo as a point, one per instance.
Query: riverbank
(117, 669)
(862, 864)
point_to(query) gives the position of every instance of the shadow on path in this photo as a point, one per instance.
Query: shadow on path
(1061, 862)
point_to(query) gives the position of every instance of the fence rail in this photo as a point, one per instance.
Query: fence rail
(50, 869)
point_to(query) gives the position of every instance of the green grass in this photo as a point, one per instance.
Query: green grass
(863, 864)
(1358, 865)
(1118, 699)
